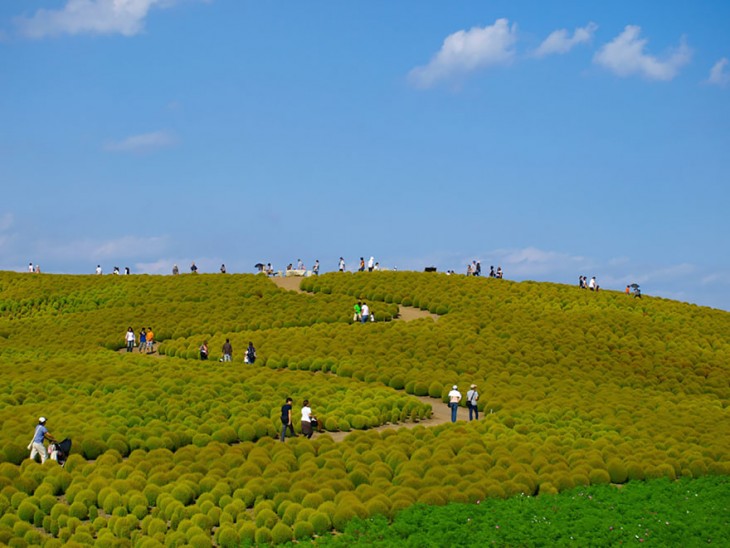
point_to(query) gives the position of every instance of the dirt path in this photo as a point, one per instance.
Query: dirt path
(405, 313)
(441, 414)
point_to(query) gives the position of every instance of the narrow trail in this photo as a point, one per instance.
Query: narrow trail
(441, 414)
(405, 313)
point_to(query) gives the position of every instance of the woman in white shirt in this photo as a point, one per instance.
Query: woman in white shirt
(306, 419)
(130, 338)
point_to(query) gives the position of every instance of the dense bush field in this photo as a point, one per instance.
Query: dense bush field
(577, 389)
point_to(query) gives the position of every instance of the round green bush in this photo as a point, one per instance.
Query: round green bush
(91, 449)
(281, 533)
(321, 523)
(342, 516)
(599, 476)
(266, 518)
(227, 537)
(263, 535)
(26, 511)
(78, 510)
(303, 530)
(247, 532)
(617, 471)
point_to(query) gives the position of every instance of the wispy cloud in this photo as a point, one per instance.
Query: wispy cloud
(125, 17)
(144, 142)
(559, 42)
(531, 262)
(6, 221)
(92, 251)
(466, 51)
(719, 74)
(625, 56)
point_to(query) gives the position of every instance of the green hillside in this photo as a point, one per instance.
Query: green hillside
(577, 388)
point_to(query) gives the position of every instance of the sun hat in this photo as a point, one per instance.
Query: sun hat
(473, 386)
(42, 420)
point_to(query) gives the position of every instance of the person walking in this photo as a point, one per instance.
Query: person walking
(472, 397)
(36, 445)
(315, 268)
(130, 337)
(204, 350)
(142, 340)
(358, 309)
(250, 353)
(365, 312)
(454, 399)
(150, 341)
(286, 419)
(227, 351)
(306, 419)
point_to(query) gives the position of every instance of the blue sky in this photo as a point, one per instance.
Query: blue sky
(553, 138)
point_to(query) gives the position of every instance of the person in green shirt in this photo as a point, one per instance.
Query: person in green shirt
(358, 312)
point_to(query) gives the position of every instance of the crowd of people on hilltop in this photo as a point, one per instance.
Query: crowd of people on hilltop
(371, 265)
(475, 269)
(591, 284)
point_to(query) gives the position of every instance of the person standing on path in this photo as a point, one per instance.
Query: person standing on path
(306, 419)
(358, 308)
(142, 340)
(36, 445)
(286, 419)
(454, 399)
(130, 338)
(472, 397)
(365, 312)
(150, 341)
(227, 351)
(250, 353)
(204, 350)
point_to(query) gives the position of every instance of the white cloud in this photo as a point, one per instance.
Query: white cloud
(719, 76)
(466, 51)
(144, 142)
(625, 56)
(124, 17)
(559, 42)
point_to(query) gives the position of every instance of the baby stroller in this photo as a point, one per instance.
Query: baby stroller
(60, 451)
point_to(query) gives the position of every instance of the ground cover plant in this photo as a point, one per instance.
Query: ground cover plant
(659, 512)
(577, 389)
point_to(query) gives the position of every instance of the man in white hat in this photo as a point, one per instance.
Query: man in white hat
(36, 446)
(454, 399)
(472, 397)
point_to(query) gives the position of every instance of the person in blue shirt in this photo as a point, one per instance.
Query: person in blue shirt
(36, 446)
(286, 421)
